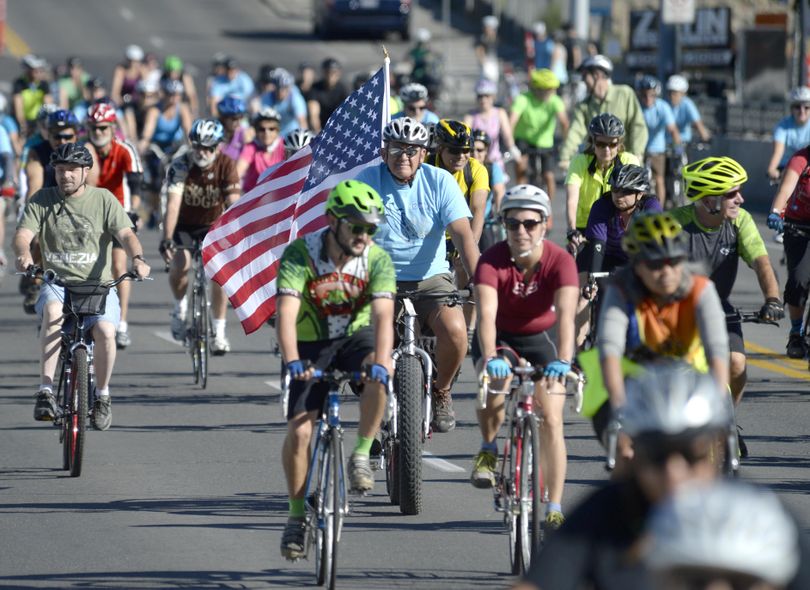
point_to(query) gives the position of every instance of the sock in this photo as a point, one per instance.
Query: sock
(181, 306)
(122, 326)
(492, 447)
(297, 507)
(796, 326)
(46, 387)
(103, 392)
(553, 507)
(363, 445)
(219, 327)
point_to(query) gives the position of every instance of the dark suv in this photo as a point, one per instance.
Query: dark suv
(374, 17)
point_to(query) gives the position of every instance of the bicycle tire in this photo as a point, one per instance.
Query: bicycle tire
(60, 397)
(409, 384)
(202, 336)
(77, 411)
(530, 491)
(191, 337)
(510, 469)
(392, 477)
(327, 515)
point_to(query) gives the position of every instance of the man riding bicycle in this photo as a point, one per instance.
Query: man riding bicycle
(201, 184)
(524, 287)
(421, 201)
(333, 285)
(76, 225)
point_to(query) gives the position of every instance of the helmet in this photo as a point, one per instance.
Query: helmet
(607, 125)
(298, 139)
(648, 82)
(172, 63)
(725, 527)
(452, 133)
(94, 83)
(72, 153)
(539, 28)
(281, 78)
(597, 62)
(231, 106)
(486, 87)
(423, 35)
(481, 135)
(406, 130)
(101, 113)
(207, 132)
(266, 73)
(800, 94)
(265, 114)
(526, 196)
(673, 399)
(630, 177)
(712, 176)
(413, 92)
(352, 198)
(677, 83)
(490, 21)
(171, 86)
(134, 53)
(652, 236)
(45, 111)
(61, 119)
(544, 79)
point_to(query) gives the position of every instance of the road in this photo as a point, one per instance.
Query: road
(186, 490)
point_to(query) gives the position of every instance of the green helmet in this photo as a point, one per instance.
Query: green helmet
(172, 63)
(352, 198)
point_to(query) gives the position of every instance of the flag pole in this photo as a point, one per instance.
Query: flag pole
(386, 109)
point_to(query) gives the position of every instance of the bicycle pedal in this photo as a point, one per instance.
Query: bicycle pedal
(375, 463)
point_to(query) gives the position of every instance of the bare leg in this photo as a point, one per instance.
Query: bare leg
(739, 376)
(104, 359)
(178, 274)
(553, 453)
(450, 329)
(119, 267)
(50, 341)
(295, 453)
(219, 303)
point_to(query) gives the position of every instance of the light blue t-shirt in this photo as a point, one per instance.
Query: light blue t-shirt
(292, 107)
(686, 113)
(794, 137)
(658, 117)
(241, 87)
(543, 50)
(428, 118)
(497, 176)
(416, 216)
(10, 124)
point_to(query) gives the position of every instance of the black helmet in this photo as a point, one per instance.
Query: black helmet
(606, 125)
(451, 133)
(630, 178)
(72, 154)
(482, 136)
(648, 82)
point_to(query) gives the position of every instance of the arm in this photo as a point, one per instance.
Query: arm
(611, 340)
(711, 321)
(766, 277)
(117, 83)
(231, 198)
(382, 318)
(173, 202)
(786, 188)
(191, 94)
(571, 204)
(19, 112)
(468, 120)
(133, 248)
(92, 175)
(576, 134)
(22, 248)
(478, 205)
(498, 190)
(185, 119)
(286, 333)
(506, 129)
(676, 135)
(776, 157)
(637, 132)
(36, 176)
(148, 131)
(562, 119)
(705, 136)
(486, 302)
(565, 302)
(241, 166)
(314, 108)
(462, 236)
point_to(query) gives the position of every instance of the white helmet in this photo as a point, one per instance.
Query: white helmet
(406, 130)
(298, 139)
(597, 62)
(539, 28)
(677, 83)
(490, 21)
(413, 92)
(725, 527)
(134, 53)
(423, 35)
(672, 398)
(526, 196)
(800, 94)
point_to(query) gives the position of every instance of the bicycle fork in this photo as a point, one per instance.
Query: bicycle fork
(408, 346)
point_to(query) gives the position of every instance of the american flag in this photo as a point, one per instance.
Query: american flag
(242, 250)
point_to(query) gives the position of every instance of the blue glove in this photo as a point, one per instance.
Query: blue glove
(557, 369)
(296, 369)
(498, 368)
(378, 373)
(776, 223)
(677, 150)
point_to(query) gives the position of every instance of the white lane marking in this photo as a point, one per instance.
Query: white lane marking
(126, 13)
(441, 464)
(167, 336)
(156, 41)
(274, 384)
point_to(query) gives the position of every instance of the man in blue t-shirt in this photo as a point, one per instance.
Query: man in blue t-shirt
(686, 112)
(792, 132)
(660, 119)
(421, 202)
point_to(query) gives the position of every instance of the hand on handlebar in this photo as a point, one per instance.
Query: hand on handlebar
(24, 263)
(589, 290)
(297, 370)
(772, 311)
(575, 239)
(775, 222)
(557, 369)
(498, 368)
(167, 250)
(378, 373)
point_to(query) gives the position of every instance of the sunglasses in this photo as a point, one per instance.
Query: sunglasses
(658, 453)
(661, 263)
(268, 129)
(65, 136)
(100, 128)
(416, 108)
(358, 229)
(203, 148)
(512, 224)
(605, 144)
(410, 151)
(459, 151)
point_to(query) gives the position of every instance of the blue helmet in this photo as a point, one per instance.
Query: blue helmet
(61, 119)
(231, 106)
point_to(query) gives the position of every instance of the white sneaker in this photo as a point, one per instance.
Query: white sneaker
(220, 345)
(779, 237)
(178, 326)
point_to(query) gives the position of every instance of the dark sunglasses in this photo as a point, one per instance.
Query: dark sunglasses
(65, 136)
(658, 453)
(358, 229)
(606, 144)
(410, 151)
(100, 128)
(513, 224)
(459, 151)
(268, 129)
(203, 148)
(661, 263)
(413, 107)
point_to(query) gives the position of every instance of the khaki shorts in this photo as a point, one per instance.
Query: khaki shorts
(441, 283)
(658, 164)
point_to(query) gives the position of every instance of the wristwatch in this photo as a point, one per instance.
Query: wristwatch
(139, 257)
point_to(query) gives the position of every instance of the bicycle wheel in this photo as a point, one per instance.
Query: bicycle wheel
(328, 509)
(510, 471)
(76, 416)
(530, 492)
(391, 452)
(203, 328)
(191, 336)
(409, 384)
(60, 397)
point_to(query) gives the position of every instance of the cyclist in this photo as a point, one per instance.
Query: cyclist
(588, 175)
(124, 89)
(232, 111)
(121, 174)
(604, 97)
(656, 308)
(524, 287)
(333, 286)
(76, 224)
(792, 202)
(326, 95)
(534, 119)
(791, 133)
(493, 120)
(71, 84)
(421, 201)
(230, 80)
(686, 113)
(296, 140)
(264, 151)
(497, 183)
(30, 92)
(201, 183)
(285, 99)
(660, 121)
(719, 233)
(601, 543)
(414, 99)
(173, 68)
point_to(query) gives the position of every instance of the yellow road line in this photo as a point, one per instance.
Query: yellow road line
(14, 43)
(794, 368)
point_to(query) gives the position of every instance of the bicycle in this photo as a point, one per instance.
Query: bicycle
(325, 491)
(591, 292)
(519, 480)
(407, 428)
(76, 371)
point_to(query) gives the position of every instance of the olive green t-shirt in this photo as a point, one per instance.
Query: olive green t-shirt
(75, 233)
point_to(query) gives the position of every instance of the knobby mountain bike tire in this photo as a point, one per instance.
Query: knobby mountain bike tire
(530, 492)
(409, 384)
(392, 476)
(75, 419)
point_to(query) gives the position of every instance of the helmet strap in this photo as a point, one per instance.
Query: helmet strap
(711, 211)
(630, 207)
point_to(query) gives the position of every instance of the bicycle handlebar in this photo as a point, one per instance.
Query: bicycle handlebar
(51, 277)
(458, 297)
(574, 385)
(751, 317)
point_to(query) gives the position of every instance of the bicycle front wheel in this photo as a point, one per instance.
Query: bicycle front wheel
(76, 416)
(530, 492)
(203, 330)
(192, 336)
(409, 384)
(328, 515)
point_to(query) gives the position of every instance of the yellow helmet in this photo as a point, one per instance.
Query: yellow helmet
(544, 79)
(653, 236)
(712, 176)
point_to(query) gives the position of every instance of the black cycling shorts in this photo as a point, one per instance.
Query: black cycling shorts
(736, 341)
(539, 349)
(546, 155)
(184, 234)
(343, 354)
(797, 257)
